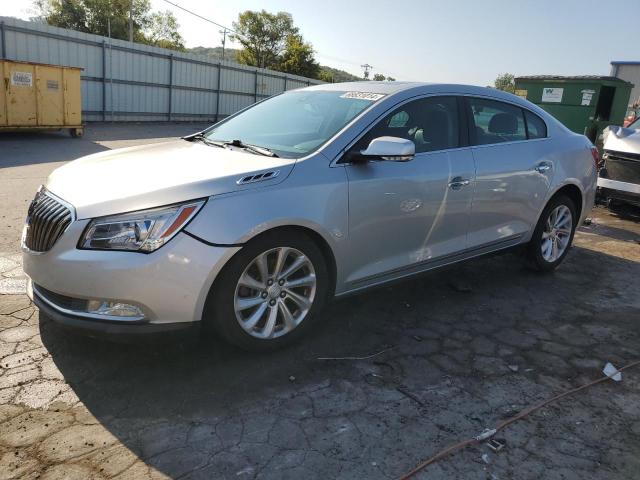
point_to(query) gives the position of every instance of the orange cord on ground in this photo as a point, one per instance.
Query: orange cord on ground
(509, 421)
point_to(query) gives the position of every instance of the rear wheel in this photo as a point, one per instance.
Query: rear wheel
(269, 293)
(553, 235)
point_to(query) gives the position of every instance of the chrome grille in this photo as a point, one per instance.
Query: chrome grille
(47, 219)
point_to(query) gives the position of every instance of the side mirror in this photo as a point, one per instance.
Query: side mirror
(392, 149)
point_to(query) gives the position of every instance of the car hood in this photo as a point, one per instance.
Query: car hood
(148, 176)
(620, 139)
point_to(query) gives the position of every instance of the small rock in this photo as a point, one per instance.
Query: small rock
(513, 368)
(292, 378)
(417, 338)
(588, 221)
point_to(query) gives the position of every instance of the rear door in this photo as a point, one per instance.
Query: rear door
(513, 174)
(403, 215)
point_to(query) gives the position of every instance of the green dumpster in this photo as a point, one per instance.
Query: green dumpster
(584, 104)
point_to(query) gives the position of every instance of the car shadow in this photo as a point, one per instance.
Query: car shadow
(32, 148)
(625, 211)
(38, 147)
(615, 233)
(154, 392)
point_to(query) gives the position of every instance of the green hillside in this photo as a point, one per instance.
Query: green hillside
(230, 54)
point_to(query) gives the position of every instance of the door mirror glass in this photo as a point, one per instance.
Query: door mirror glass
(393, 149)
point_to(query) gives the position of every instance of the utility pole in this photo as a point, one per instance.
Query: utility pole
(224, 40)
(131, 21)
(366, 67)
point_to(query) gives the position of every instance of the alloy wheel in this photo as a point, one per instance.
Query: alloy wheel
(275, 292)
(557, 233)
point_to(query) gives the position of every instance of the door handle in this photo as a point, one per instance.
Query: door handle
(458, 182)
(542, 167)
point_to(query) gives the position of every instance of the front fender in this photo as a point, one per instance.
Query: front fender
(313, 197)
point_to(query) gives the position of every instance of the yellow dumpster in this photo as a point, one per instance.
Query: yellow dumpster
(38, 96)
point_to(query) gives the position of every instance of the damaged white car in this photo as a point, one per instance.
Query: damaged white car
(619, 178)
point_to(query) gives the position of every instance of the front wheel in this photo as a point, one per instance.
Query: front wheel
(270, 292)
(553, 235)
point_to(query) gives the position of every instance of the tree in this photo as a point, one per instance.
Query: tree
(163, 31)
(505, 82)
(379, 77)
(263, 37)
(298, 58)
(100, 16)
(273, 41)
(325, 76)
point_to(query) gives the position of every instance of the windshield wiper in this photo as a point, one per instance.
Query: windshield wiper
(200, 137)
(252, 148)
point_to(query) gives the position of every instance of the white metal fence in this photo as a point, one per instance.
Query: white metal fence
(123, 81)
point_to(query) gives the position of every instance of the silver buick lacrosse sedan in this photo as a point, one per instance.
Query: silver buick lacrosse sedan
(251, 225)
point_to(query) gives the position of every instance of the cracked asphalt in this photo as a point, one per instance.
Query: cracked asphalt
(450, 353)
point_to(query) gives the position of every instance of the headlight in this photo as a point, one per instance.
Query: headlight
(143, 231)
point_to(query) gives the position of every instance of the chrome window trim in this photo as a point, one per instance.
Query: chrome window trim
(512, 142)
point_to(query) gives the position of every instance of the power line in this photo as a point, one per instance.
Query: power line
(201, 17)
(237, 35)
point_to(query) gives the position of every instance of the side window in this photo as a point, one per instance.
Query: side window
(431, 123)
(536, 128)
(496, 122)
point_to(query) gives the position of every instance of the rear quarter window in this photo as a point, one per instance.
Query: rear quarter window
(536, 128)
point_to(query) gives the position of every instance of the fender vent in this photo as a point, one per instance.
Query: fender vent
(258, 177)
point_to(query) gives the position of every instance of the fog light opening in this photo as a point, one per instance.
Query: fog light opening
(113, 309)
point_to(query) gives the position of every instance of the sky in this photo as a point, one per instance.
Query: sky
(456, 41)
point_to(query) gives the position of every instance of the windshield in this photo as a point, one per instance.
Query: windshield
(295, 123)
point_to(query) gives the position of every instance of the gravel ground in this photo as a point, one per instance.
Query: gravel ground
(461, 350)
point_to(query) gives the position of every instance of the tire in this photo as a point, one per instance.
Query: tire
(543, 259)
(76, 132)
(223, 312)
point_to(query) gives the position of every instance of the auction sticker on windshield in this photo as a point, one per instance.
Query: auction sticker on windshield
(363, 95)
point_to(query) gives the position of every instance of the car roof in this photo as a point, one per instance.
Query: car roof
(417, 88)
(368, 86)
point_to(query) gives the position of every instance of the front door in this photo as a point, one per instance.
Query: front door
(405, 215)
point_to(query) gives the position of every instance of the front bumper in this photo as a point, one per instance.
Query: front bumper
(169, 285)
(106, 327)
